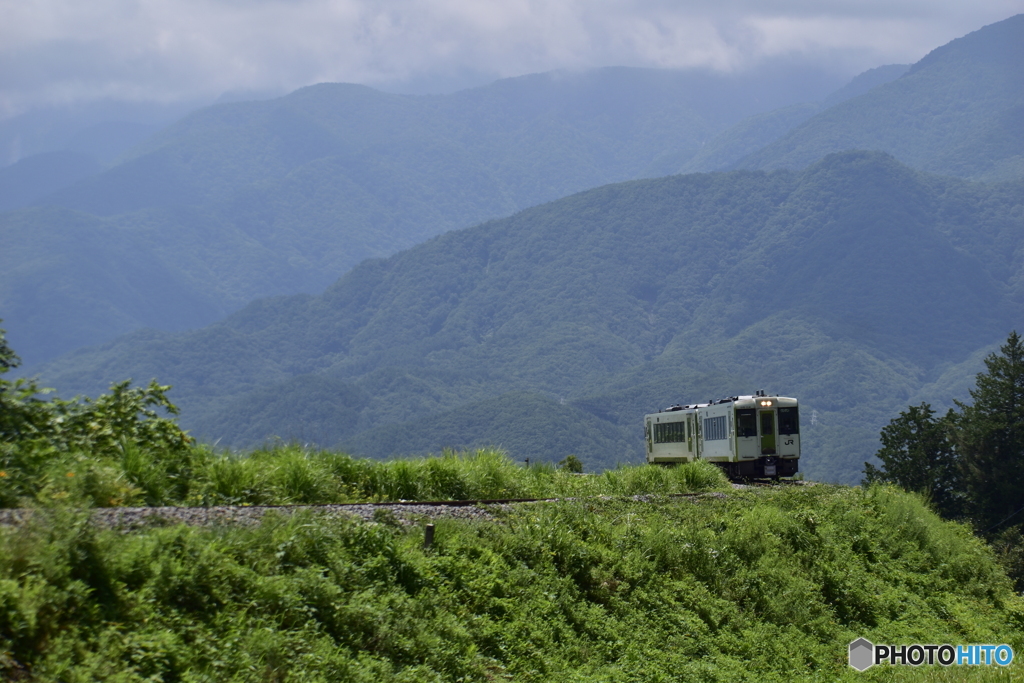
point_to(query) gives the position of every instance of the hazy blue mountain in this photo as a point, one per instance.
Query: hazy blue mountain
(107, 140)
(851, 285)
(251, 199)
(862, 83)
(34, 177)
(746, 137)
(542, 135)
(753, 133)
(103, 129)
(958, 111)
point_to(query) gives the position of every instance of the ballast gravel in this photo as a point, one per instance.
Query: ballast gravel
(131, 518)
(128, 519)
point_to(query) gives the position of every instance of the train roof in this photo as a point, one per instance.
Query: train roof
(730, 399)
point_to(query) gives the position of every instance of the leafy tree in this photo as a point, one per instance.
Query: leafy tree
(571, 464)
(990, 437)
(19, 414)
(8, 359)
(917, 454)
(970, 461)
(37, 436)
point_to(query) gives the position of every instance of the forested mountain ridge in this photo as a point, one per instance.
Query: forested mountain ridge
(748, 136)
(849, 285)
(544, 135)
(958, 111)
(251, 199)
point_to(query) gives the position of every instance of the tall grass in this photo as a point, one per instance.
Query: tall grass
(290, 474)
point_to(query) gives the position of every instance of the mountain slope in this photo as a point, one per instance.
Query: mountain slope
(36, 176)
(849, 285)
(746, 137)
(751, 134)
(959, 111)
(319, 180)
(865, 82)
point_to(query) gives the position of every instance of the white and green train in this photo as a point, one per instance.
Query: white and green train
(747, 436)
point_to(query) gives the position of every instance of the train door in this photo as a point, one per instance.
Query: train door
(767, 432)
(698, 435)
(746, 433)
(689, 434)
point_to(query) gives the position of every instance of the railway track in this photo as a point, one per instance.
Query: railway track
(128, 518)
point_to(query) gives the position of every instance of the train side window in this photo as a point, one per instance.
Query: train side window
(746, 422)
(715, 428)
(789, 420)
(670, 432)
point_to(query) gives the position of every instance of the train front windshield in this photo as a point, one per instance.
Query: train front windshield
(789, 420)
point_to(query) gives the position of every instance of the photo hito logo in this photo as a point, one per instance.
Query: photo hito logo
(864, 654)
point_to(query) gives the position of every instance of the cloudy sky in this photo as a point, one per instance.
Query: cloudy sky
(60, 51)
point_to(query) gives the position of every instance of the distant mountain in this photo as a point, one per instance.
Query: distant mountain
(34, 177)
(251, 199)
(751, 134)
(850, 285)
(865, 82)
(959, 111)
(745, 137)
(103, 129)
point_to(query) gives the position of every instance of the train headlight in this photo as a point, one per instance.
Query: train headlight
(766, 403)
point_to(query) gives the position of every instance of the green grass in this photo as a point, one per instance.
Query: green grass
(290, 474)
(758, 586)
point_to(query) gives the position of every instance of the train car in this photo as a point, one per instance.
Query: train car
(747, 436)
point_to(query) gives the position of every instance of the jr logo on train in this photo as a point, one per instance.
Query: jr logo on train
(747, 436)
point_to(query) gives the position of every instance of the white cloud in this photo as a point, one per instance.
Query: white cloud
(166, 50)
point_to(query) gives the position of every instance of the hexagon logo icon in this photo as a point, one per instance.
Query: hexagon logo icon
(862, 654)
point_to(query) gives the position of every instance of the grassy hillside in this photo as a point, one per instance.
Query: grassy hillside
(850, 285)
(958, 111)
(759, 585)
(252, 199)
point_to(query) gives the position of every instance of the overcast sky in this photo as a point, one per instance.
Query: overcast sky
(58, 51)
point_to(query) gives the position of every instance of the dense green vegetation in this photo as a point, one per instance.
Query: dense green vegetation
(762, 585)
(252, 199)
(970, 461)
(853, 285)
(958, 111)
(114, 450)
(149, 474)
